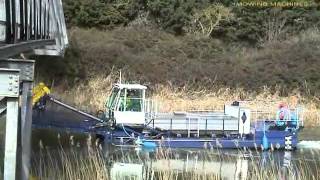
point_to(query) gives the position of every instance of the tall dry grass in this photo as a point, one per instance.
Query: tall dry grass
(94, 162)
(66, 164)
(92, 96)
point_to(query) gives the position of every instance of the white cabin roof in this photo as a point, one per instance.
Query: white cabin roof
(130, 86)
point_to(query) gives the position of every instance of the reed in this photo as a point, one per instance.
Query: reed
(94, 162)
(92, 95)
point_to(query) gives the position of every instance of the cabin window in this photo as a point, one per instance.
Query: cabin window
(131, 100)
(113, 98)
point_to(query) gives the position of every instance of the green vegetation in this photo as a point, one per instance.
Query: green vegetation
(225, 19)
(179, 16)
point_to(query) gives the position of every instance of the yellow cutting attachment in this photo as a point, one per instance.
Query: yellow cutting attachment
(38, 92)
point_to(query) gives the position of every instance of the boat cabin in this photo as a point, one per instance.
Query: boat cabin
(126, 104)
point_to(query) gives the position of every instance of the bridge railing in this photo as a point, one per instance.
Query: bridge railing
(38, 23)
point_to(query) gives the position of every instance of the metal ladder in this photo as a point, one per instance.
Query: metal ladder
(197, 131)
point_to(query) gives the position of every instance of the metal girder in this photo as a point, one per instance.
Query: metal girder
(26, 67)
(48, 52)
(9, 50)
(9, 82)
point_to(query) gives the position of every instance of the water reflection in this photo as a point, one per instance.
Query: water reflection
(136, 163)
(236, 168)
(225, 165)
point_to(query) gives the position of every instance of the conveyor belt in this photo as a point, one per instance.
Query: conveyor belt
(52, 113)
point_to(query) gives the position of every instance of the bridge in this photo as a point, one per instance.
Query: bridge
(35, 26)
(27, 27)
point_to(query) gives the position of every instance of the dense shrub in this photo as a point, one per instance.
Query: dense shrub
(100, 13)
(248, 25)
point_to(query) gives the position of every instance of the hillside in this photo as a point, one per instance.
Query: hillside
(155, 57)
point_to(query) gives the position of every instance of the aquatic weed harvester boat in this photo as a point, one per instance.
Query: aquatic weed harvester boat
(130, 119)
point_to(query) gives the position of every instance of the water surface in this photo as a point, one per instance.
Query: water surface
(228, 164)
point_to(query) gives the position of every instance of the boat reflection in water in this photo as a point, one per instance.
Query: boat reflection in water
(224, 170)
(127, 171)
(184, 164)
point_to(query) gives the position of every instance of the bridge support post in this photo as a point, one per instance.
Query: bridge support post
(12, 124)
(9, 90)
(24, 124)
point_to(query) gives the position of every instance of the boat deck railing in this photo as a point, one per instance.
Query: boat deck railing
(294, 115)
(194, 123)
(151, 108)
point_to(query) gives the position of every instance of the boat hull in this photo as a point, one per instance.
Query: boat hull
(276, 140)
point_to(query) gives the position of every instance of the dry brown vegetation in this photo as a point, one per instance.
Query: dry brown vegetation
(92, 96)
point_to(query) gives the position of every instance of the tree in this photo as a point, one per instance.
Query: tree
(275, 26)
(206, 20)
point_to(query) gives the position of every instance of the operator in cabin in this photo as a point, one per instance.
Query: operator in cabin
(134, 103)
(131, 102)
